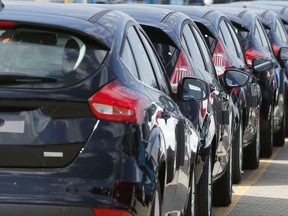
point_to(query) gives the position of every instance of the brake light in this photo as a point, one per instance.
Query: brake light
(220, 59)
(123, 192)
(182, 69)
(7, 24)
(116, 102)
(110, 212)
(250, 54)
(275, 49)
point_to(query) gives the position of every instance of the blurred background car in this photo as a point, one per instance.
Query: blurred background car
(272, 20)
(256, 44)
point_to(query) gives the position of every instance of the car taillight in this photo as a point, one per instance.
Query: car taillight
(7, 24)
(110, 212)
(182, 69)
(251, 54)
(220, 59)
(275, 49)
(116, 102)
(123, 192)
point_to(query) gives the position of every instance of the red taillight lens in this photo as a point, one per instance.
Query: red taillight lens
(220, 59)
(110, 212)
(7, 24)
(250, 54)
(123, 192)
(275, 49)
(182, 69)
(118, 103)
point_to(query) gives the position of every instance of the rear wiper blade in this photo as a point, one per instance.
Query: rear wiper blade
(22, 78)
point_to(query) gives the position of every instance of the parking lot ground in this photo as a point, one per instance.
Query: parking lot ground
(263, 191)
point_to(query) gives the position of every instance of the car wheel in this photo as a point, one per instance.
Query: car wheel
(204, 190)
(191, 207)
(237, 152)
(267, 136)
(156, 207)
(279, 136)
(251, 155)
(222, 189)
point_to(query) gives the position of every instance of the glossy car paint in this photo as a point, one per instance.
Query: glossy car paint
(65, 160)
(219, 137)
(248, 100)
(278, 38)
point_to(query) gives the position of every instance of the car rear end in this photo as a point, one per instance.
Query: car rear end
(66, 144)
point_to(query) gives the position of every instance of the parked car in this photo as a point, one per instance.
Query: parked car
(227, 53)
(273, 19)
(182, 49)
(87, 124)
(255, 44)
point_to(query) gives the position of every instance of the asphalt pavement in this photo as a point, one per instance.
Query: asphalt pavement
(264, 191)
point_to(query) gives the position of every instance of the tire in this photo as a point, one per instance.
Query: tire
(279, 136)
(237, 154)
(267, 137)
(156, 207)
(222, 189)
(191, 206)
(251, 155)
(204, 190)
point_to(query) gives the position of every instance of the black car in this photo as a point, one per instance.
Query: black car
(227, 53)
(256, 44)
(273, 18)
(184, 52)
(87, 126)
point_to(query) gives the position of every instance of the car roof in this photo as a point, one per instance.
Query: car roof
(72, 17)
(67, 10)
(237, 14)
(138, 11)
(167, 20)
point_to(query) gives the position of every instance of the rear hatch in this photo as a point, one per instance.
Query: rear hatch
(45, 117)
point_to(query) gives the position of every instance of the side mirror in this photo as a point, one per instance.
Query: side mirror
(236, 78)
(261, 65)
(192, 89)
(283, 54)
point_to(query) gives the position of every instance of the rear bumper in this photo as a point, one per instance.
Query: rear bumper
(43, 210)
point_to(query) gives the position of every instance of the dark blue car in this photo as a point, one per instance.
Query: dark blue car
(87, 124)
(184, 53)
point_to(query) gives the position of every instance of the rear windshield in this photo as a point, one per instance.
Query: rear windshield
(46, 59)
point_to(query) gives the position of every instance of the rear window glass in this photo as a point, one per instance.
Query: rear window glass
(46, 59)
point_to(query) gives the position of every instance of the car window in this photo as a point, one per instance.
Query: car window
(128, 59)
(280, 31)
(225, 33)
(242, 35)
(236, 42)
(156, 65)
(206, 54)
(165, 47)
(142, 60)
(262, 35)
(192, 46)
(65, 57)
(208, 36)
